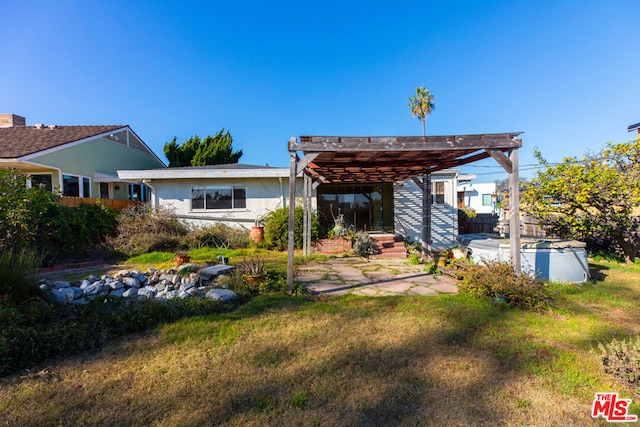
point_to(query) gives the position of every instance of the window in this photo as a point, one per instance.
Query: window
(486, 200)
(44, 180)
(138, 192)
(86, 187)
(218, 197)
(76, 186)
(438, 192)
(104, 190)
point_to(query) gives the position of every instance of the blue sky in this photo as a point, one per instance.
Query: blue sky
(564, 72)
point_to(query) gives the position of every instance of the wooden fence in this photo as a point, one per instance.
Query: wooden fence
(486, 223)
(74, 202)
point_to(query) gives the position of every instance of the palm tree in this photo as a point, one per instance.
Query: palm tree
(422, 105)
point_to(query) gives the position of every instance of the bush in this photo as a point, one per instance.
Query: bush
(622, 359)
(71, 231)
(364, 245)
(142, 229)
(220, 236)
(74, 328)
(498, 280)
(276, 230)
(17, 281)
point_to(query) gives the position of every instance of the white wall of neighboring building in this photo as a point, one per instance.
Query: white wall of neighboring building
(479, 196)
(262, 196)
(444, 216)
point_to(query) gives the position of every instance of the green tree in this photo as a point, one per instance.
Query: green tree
(597, 196)
(23, 211)
(212, 150)
(422, 105)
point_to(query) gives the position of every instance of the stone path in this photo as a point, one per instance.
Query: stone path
(380, 277)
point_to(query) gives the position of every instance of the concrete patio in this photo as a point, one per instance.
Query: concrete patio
(379, 277)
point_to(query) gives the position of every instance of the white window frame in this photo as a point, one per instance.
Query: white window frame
(434, 193)
(81, 179)
(208, 189)
(30, 183)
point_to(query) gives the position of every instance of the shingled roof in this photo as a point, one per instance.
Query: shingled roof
(19, 141)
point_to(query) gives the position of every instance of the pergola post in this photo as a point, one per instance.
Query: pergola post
(514, 210)
(426, 215)
(292, 207)
(306, 215)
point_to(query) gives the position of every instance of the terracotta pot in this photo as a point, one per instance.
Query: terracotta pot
(181, 259)
(257, 234)
(254, 279)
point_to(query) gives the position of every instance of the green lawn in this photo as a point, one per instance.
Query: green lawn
(445, 360)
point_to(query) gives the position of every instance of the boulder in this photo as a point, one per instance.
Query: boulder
(71, 293)
(93, 288)
(116, 284)
(59, 284)
(55, 296)
(223, 295)
(131, 292)
(118, 292)
(131, 282)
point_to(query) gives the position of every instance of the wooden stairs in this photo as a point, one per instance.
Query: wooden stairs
(390, 246)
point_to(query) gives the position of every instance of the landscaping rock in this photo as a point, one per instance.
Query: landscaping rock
(223, 295)
(93, 288)
(116, 284)
(61, 284)
(131, 282)
(131, 292)
(118, 292)
(153, 284)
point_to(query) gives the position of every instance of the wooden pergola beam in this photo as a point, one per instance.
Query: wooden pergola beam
(405, 143)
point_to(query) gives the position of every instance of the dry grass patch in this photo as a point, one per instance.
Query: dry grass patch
(446, 360)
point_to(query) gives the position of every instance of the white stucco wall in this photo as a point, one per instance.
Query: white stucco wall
(444, 217)
(473, 194)
(262, 196)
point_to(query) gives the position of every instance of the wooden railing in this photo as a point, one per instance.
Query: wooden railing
(74, 202)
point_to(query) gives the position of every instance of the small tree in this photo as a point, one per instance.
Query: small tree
(213, 150)
(22, 211)
(598, 195)
(422, 105)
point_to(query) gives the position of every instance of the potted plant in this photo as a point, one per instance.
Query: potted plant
(181, 258)
(253, 270)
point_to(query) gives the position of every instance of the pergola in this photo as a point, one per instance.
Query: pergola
(342, 160)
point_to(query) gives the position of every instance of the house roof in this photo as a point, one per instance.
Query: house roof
(633, 127)
(231, 170)
(340, 159)
(19, 141)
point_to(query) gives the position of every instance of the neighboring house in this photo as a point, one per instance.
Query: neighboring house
(480, 197)
(234, 194)
(78, 161)
(635, 127)
(240, 195)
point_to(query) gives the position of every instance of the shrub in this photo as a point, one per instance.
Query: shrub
(622, 359)
(17, 281)
(32, 220)
(74, 328)
(498, 280)
(71, 231)
(22, 211)
(220, 236)
(276, 230)
(364, 245)
(142, 229)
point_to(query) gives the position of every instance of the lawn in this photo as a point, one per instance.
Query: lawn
(445, 360)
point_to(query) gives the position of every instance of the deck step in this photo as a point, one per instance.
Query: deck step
(391, 246)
